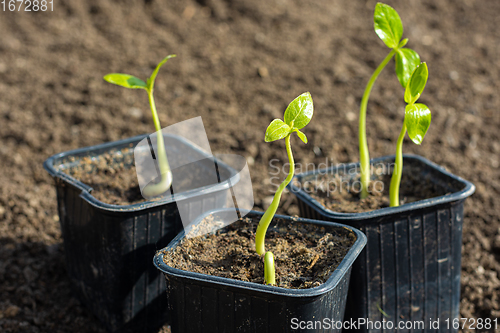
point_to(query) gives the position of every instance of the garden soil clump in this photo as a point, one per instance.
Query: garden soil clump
(305, 255)
(238, 65)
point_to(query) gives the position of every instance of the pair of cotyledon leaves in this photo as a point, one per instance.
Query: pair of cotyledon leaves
(410, 72)
(297, 115)
(417, 115)
(132, 82)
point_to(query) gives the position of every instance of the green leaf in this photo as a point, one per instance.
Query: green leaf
(301, 135)
(416, 84)
(406, 62)
(300, 111)
(417, 121)
(125, 80)
(387, 24)
(276, 130)
(152, 78)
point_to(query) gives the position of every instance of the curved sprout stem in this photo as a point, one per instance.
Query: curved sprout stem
(398, 170)
(364, 155)
(269, 270)
(152, 190)
(266, 219)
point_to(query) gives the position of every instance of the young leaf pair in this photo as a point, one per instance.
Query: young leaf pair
(132, 82)
(297, 115)
(389, 28)
(417, 121)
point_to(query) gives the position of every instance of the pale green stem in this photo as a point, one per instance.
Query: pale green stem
(364, 155)
(162, 155)
(398, 170)
(152, 190)
(266, 219)
(269, 270)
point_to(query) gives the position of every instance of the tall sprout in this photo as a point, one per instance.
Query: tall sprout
(297, 115)
(132, 82)
(389, 28)
(417, 121)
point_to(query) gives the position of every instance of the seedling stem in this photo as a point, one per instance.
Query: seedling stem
(398, 170)
(364, 154)
(266, 219)
(269, 270)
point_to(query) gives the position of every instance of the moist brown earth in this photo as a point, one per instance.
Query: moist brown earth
(112, 181)
(240, 62)
(341, 192)
(305, 255)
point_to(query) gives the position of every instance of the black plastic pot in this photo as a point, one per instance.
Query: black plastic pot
(410, 268)
(109, 247)
(205, 303)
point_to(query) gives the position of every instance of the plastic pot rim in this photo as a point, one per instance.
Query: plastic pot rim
(86, 194)
(465, 192)
(330, 284)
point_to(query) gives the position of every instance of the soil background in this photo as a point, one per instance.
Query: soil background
(240, 62)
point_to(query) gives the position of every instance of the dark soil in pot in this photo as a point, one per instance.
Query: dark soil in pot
(305, 255)
(113, 179)
(111, 182)
(340, 193)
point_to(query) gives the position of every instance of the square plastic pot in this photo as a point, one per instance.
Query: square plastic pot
(108, 247)
(410, 268)
(205, 303)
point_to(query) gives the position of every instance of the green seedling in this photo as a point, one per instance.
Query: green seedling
(132, 82)
(297, 115)
(417, 121)
(389, 28)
